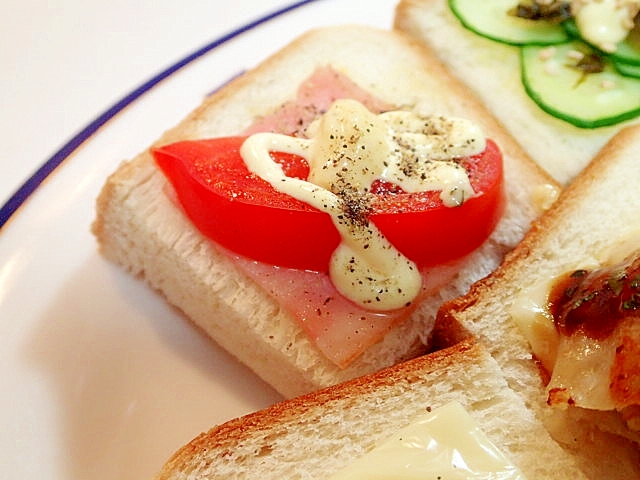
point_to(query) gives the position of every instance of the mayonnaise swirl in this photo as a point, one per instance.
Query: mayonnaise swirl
(605, 23)
(350, 148)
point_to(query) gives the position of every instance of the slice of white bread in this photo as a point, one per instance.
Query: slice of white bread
(596, 212)
(492, 71)
(139, 227)
(314, 436)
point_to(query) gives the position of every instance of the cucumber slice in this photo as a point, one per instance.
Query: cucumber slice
(586, 101)
(627, 69)
(571, 28)
(628, 51)
(490, 18)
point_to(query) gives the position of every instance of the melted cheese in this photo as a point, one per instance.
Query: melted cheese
(530, 311)
(446, 443)
(605, 23)
(544, 195)
(348, 150)
(581, 374)
(579, 366)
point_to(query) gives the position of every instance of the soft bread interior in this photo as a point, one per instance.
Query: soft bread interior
(139, 227)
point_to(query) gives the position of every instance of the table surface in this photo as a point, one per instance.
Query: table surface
(63, 63)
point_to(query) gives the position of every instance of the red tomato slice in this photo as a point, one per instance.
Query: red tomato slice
(245, 214)
(430, 233)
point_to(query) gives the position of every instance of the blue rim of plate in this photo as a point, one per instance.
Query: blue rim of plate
(29, 187)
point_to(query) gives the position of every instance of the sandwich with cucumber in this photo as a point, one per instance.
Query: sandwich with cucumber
(563, 77)
(313, 214)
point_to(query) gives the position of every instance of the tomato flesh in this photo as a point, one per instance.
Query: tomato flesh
(425, 230)
(245, 214)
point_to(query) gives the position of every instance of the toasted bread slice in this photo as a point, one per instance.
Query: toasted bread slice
(139, 226)
(318, 434)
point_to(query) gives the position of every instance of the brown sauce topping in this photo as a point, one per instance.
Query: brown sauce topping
(595, 302)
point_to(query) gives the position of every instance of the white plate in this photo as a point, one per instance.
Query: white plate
(99, 378)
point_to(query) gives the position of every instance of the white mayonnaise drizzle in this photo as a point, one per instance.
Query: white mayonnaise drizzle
(349, 148)
(605, 23)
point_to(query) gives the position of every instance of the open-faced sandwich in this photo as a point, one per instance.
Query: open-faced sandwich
(445, 415)
(312, 215)
(562, 76)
